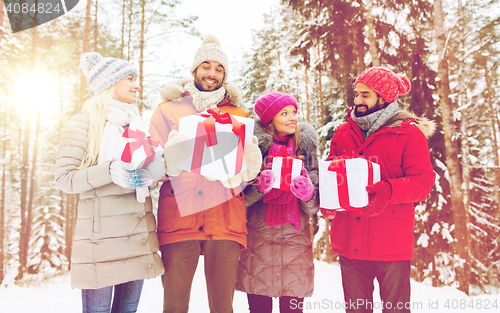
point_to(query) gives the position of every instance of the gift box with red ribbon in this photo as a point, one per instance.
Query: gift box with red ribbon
(342, 183)
(285, 168)
(217, 142)
(136, 149)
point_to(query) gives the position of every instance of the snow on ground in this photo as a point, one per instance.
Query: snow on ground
(56, 296)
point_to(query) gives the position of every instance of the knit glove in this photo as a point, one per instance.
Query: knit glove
(129, 179)
(265, 181)
(329, 214)
(380, 193)
(175, 153)
(302, 186)
(157, 168)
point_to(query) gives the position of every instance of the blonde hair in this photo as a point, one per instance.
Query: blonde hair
(97, 107)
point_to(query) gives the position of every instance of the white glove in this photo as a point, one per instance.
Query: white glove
(177, 150)
(253, 161)
(157, 168)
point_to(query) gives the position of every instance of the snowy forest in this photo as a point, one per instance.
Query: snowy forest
(311, 49)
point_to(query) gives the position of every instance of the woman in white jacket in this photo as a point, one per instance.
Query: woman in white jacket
(115, 245)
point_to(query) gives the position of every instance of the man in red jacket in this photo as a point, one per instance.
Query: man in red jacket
(377, 241)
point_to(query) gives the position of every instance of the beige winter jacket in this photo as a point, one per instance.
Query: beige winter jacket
(115, 240)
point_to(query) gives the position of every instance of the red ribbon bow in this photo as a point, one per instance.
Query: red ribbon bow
(206, 136)
(138, 139)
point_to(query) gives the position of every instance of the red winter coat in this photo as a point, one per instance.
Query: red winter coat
(400, 148)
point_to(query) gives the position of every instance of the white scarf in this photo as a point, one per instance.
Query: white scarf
(204, 100)
(120, 115)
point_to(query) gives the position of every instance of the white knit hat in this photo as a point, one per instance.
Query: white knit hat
(210, 50)
(102, 72)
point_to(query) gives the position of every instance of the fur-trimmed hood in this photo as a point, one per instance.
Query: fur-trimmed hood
(428, 127)
(308, 137)
(174, 90)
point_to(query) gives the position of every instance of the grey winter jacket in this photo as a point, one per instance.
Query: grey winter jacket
(279, 260)
(115, 240)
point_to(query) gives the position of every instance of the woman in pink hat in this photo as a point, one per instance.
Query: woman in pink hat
(279, 259)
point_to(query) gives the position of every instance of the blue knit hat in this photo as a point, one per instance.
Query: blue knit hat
(102, 72)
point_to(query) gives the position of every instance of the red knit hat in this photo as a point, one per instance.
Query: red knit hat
(384, 82)
(268, 105)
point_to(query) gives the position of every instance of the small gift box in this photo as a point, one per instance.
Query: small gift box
(342, 183)
(217, 143)
(285, 168)
(136, 149)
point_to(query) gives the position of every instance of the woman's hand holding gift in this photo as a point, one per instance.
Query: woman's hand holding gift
(302, 187)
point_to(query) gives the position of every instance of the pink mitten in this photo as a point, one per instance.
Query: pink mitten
(380, 193)
(265, 181)
(302, 186)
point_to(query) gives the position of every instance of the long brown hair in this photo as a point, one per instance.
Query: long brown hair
(295, 137)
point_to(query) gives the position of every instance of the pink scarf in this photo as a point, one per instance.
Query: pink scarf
(282, 206)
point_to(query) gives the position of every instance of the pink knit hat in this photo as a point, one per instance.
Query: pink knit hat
(268, 105)
(384, 82)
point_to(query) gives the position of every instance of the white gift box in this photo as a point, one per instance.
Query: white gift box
(342, 183)
(217, 150)
(285, 169)
(136, 149)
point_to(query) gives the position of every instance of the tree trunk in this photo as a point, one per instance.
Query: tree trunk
(24, 190)
(1, 12)
(371, 33)
(1, 18)
(86, 33)
(129, 29)
(23, 171)
(461, 232)
(2, 199)
(321, 104)
(358, 40)
(95, 27)
(141, 59)
(465, 145)
(86, 36)
(496, 158)
(29, 209)
(122, 45)
(308, 109)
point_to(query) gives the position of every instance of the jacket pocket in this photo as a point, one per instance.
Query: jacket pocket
(169, 218)
(390, 236)
(235, 214)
